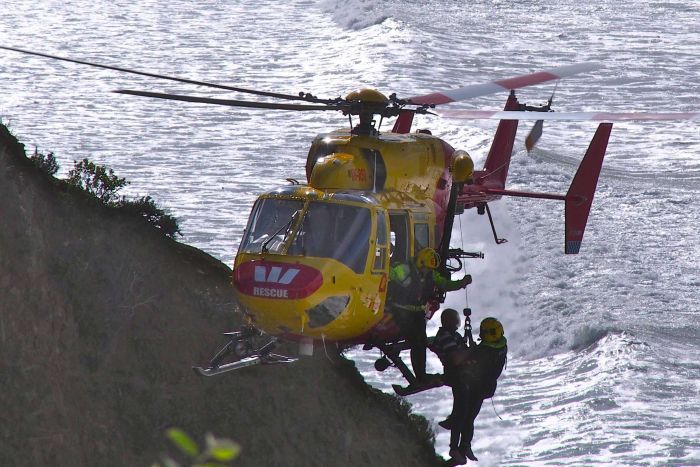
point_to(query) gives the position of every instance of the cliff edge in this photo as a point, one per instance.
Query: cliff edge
(101, 319)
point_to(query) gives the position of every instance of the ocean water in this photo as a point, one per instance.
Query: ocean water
(604, 364)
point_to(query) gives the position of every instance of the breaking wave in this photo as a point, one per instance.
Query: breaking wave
(589, 336)
(355, 14)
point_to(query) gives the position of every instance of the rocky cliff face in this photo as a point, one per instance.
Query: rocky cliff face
(101, 319)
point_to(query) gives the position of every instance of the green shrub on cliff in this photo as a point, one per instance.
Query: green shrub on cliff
(46, 162)
(98, 180)
(146, 208)
(101, 182)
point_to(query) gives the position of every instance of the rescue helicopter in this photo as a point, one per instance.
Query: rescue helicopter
(313, 264)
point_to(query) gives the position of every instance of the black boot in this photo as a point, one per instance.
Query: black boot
(468, 453)
(446, 423)
(418, 363)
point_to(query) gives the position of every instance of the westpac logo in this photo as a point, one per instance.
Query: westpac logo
(275, 275)
(267, 279)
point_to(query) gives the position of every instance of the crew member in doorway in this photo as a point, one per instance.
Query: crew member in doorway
(411, 286)
(472, 372)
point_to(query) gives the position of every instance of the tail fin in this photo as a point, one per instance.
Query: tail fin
(497, 162)
(403, 123)
(580, 195)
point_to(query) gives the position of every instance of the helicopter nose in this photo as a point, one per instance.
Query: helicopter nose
(269, 279)
(327, 311)
(297, 299)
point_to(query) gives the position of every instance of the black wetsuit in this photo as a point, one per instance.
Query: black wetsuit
(471, 382)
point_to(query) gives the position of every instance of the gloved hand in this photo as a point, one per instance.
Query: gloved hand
(466, 280)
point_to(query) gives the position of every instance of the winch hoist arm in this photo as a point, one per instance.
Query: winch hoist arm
(444, 247)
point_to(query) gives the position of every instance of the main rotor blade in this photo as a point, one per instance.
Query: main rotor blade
(154, 75)
(476, 90)
(593, 116)
(229, 102)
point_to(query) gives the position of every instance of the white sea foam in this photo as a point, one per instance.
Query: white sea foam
(355, 14)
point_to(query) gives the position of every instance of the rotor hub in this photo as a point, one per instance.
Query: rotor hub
(367, 95)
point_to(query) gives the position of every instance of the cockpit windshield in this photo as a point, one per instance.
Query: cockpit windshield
(327, 230)
(332, 230)
(270, 224)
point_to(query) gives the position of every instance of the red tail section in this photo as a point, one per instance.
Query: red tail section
(498, 161)
(403, 123)
(580, 195)
(577, 200)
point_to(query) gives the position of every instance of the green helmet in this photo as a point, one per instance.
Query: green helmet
(491, 333)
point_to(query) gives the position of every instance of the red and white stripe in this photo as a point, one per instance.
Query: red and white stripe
(593, 116)
(476, 90)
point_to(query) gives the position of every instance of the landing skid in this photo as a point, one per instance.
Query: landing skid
(241, 346)
(242, 363)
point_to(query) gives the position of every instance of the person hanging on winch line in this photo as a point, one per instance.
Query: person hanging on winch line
(472, 372)
(411, 286)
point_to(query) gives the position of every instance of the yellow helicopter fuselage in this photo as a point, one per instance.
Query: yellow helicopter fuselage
(314, 261)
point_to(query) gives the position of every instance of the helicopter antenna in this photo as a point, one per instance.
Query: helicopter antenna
(551, 98)
(374, 177)
(536, 132)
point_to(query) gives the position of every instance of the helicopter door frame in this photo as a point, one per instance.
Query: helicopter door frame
(421, 220)
(399, 236)
(380, 263)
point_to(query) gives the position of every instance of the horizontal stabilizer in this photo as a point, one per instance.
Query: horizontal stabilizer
(580, 195)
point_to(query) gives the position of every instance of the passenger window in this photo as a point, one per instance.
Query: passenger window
(398, 226)
(421, 235)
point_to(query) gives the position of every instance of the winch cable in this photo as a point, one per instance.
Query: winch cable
(323, 338)
(494, 409)
(467, 320)
(467, 311)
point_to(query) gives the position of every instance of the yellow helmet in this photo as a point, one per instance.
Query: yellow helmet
(428, 258)
(491, 332)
